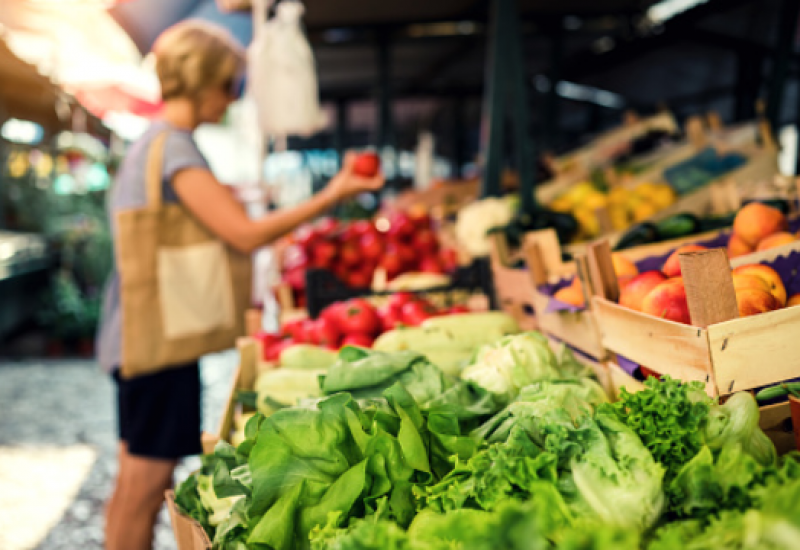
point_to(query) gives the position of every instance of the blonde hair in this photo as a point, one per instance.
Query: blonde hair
(193, 55)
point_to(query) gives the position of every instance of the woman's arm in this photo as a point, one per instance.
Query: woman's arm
(216, 207)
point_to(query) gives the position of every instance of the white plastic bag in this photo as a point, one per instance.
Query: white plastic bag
(282, 80)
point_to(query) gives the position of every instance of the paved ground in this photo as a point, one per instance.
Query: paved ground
(57, 451)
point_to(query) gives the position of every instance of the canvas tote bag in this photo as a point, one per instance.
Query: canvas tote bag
(183, 292)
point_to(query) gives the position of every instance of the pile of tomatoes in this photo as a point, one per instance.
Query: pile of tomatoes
(355, 322)
(401, 243)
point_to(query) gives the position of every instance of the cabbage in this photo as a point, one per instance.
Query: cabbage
(477, 218)
(512, 363)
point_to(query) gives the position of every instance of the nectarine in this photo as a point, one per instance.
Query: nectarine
(623, 267)
(570, 295)
(752, 301)
(756, 221)
(775, 240)
(737, 247)
(668, 301)
(745, 280)
(672, 267)
(633, 294)
(793, 300)
(769, 275)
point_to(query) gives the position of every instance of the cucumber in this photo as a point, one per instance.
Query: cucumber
(779, 390)
(306, 356)
(643, 233)
(677, 226)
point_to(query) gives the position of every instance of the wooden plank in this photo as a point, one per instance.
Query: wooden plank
(601, 271)
(756, 351)
(244, 379)
(189, 534)
(578, 329)
(515, 295)
(668, 348)
(709, 287)
(775, 420)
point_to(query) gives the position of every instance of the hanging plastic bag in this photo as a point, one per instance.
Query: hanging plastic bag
(282, 80)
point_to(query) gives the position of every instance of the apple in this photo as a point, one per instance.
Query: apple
(756, 221)
(672, 267)
(367, 164)
(769, 275)
(668, 301)
(632, 295)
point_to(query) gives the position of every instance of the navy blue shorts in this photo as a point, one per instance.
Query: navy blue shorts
(159, 414)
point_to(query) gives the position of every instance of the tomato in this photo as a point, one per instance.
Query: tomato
(358, 315)
(430, 264)
(390, 317)
(425, 241)
(349, 254)
(358, 339)
(367, 165)
(273, 352)
(327, 226)
(392, 264)
(325, 333)
(419, 218)
(324, 252)
(359, 279)
(331, 313)
(371, 245)
(363, 227)
(414, 313)
(295, 278)
(399, 299)
(293, 329)
(401, 227)
(449, 259)
(458, 309)
(267, 339)
(294, 256)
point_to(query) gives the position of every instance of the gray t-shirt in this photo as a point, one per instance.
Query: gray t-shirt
(128, 191)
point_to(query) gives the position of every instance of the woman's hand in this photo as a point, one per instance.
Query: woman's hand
(347, 184)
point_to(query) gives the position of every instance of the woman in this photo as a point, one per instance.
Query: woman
(198, 66)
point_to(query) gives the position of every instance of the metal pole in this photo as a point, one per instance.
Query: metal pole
(787, 29)
(552, 103)
(526, 156)
(494, 105)
(458, 137)
(385, 123)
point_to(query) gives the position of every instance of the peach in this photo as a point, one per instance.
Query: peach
(745, 280)
(623, 267)
(668, 301)
(793, 300)
(753, 301)
(672, 267)
(775, 240)
(737, 247)
(769, 275)
(757, 221)
(633, 294)
(570, 295)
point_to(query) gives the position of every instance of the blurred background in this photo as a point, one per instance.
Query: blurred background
(412, 80)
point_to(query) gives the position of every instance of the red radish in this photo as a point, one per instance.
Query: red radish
(349, 254)
(401, 227)
(458, 309)
(295, 278)
(390, 317)
(367, 165)
(324, 252)
(359, 279)
(392, 264)
(326, 226)
(449, 259)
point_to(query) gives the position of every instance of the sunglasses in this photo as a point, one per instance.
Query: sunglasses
(234, 86)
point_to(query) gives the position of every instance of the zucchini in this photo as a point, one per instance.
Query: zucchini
(677, 226)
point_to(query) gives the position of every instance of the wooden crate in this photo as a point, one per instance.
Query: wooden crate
(725, 352)
(189, 534)
(513, 288)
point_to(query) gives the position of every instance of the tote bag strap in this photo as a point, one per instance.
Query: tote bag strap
(154, 170)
